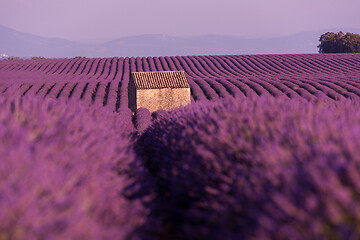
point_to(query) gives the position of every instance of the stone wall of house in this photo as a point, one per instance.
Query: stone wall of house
(165, 98)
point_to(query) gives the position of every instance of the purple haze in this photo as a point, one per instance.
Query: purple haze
(109, 19)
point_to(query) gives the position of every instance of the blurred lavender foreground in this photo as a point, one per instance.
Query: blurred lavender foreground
(63, 170)
(261, 168)
(230, 168)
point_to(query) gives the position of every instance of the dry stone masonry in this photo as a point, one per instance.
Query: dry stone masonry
(158, 90)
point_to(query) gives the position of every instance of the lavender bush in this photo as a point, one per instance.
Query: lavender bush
(64, 169)
(263, 168)
(142, 119)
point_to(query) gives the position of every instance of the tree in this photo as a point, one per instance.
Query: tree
(339, 43)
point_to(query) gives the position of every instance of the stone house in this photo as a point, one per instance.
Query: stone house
(158, 90)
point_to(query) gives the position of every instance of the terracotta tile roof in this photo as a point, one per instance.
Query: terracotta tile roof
(161, 79)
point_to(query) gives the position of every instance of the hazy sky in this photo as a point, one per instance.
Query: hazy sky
(107, 19)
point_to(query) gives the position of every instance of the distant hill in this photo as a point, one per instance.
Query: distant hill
(15, 43)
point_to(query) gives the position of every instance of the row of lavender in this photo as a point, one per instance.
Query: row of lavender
(334, 86)
(195, 66)
(104, 81)
(114, 94)
(262, 168)
(64, 171)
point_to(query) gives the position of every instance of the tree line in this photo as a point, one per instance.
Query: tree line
(339, 43)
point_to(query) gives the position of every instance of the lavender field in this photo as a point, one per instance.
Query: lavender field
(269, 149)
(104, 81)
